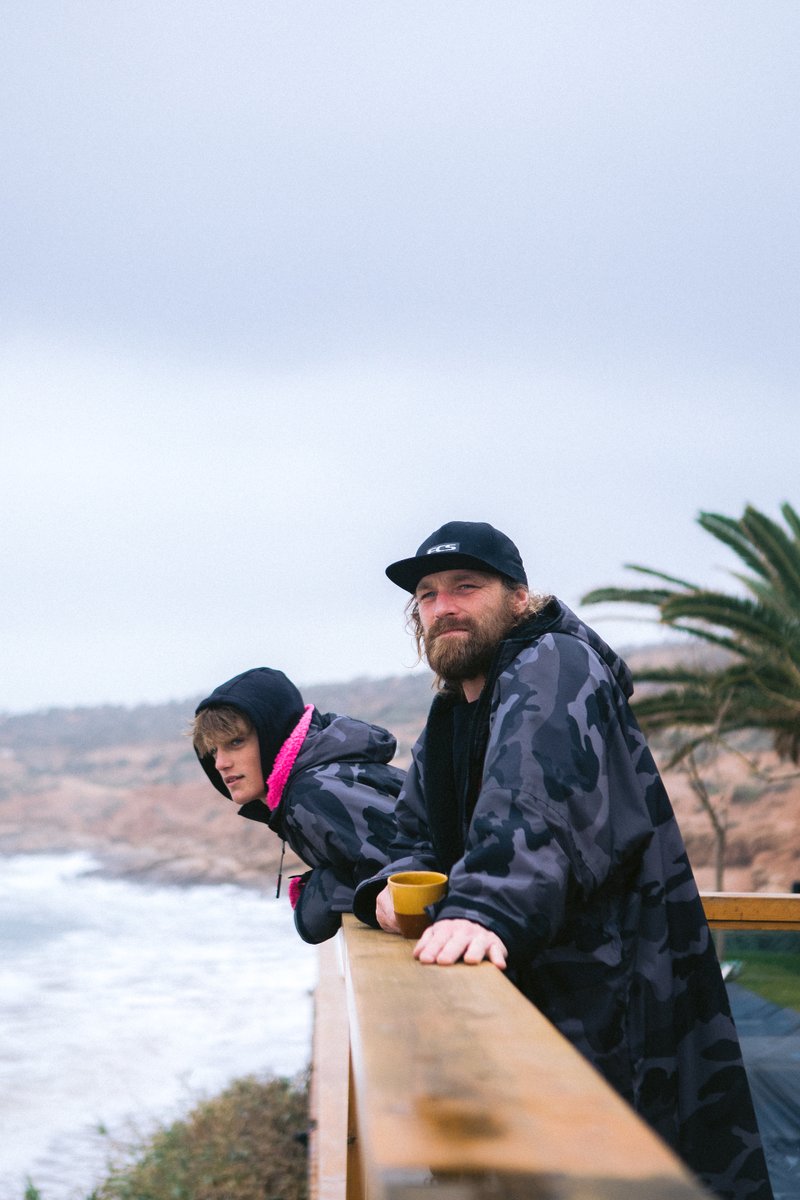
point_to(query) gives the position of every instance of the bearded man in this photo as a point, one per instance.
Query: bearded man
(534, 789)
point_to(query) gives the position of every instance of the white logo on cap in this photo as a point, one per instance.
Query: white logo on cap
(444, 547)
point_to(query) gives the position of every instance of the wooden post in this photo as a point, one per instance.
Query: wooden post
(329, 1146)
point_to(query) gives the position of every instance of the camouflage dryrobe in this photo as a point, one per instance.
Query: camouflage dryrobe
(564, 843)
(337, 814)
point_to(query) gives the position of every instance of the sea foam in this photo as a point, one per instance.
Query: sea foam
(122, 1004)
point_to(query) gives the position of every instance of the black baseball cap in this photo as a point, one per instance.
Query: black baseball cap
(460, 544)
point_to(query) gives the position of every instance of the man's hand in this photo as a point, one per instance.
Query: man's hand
(447, 941)
(384, 911)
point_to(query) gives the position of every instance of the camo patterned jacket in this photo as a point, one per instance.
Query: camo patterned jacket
(562, 840)
(336, 811)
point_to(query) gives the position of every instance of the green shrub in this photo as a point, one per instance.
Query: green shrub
(246, 1144)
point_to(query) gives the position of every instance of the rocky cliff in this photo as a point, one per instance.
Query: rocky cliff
(125, 784)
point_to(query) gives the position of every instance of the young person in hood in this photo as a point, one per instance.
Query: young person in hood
(321, 781)
(534, 789)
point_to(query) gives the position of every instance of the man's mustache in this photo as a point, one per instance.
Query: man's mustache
(447, 625)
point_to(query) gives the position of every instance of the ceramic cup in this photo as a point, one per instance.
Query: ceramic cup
(411, 892)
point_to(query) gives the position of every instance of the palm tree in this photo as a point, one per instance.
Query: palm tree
(756, 683)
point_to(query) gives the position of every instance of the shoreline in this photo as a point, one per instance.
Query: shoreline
(141, 864)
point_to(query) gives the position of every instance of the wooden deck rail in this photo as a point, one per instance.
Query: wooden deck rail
(447, 1077)
(752, 910)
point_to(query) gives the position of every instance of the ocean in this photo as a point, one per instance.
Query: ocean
(122, 1004)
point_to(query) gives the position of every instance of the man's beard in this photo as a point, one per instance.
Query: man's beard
(468, 656)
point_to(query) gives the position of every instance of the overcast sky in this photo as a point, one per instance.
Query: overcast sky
(287, 285)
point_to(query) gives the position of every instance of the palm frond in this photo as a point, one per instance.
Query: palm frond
(792, 519)
(684, 748)
(730, 533)
(678, 674)
(708, 636)
(684, 705)
(628, 596)
(692, 587)
(744, 618)
(780, 554)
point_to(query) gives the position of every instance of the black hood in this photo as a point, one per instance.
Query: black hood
(270, 701)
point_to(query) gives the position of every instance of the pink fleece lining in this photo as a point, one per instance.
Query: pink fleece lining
(296, 885)
(284, 760)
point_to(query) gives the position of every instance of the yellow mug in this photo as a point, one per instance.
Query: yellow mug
(411, 892)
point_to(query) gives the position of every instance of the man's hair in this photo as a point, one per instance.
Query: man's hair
(218, 724)
(535, 604)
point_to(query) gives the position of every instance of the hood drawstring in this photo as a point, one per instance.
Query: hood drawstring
(280, 869)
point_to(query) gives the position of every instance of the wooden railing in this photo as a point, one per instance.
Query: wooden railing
(752, 910)
(449, 1077)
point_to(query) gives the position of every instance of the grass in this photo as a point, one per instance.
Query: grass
(249, 1143)
(774, 976)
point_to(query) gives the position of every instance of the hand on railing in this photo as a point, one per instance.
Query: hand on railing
(449, 941)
